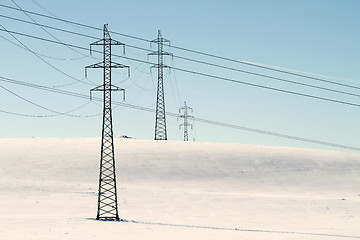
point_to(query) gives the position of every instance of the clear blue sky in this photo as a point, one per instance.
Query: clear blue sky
(319, 37)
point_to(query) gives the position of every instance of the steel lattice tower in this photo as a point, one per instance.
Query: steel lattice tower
(160, 120)
(186, 117)
(107, 194)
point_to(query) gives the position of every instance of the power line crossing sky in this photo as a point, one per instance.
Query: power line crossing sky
(312, 37)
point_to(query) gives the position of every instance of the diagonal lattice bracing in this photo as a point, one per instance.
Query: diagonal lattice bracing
(107, 193)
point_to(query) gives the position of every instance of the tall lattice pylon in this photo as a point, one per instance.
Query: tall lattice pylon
(107, 194)
(186, 117)
(160, 119)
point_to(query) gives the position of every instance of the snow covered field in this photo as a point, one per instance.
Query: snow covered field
(178, 190)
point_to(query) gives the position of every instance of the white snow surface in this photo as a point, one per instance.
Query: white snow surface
(178, 190)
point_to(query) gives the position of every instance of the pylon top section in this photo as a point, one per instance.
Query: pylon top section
(160, 39)
(185, 107)
(160, 42)
(107, 63)
(107, 40)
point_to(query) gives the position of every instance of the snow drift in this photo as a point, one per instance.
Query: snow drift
(178, 190)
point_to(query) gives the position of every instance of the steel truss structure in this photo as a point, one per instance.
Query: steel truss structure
(107, 193)
(160, 119)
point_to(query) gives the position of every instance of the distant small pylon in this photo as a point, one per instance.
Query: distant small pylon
(186, 117)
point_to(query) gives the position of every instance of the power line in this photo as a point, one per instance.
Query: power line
(266, 87)
(265, 67)
(43, 60)
(43, 8)
(41, 87)
(27, 115)
(276, 134)
(202, 120)
(45, 29)
(203, 62)
(202, 74)
(230, 59)
(305, 73)
(47, 26)
(51, 115)
(54, 90)
(74, 23)
(190, 50)
(45, 108)
(18, 45)
(270, 77)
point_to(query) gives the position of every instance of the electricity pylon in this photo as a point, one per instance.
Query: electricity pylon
(107, 194)
(186, 117)
(160, 119)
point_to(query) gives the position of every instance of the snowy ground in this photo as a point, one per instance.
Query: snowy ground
(178, 190)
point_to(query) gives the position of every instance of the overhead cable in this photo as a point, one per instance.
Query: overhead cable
(202, 62)
(43, 60)
(190, 50)
(201, 74)
(201, 120)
